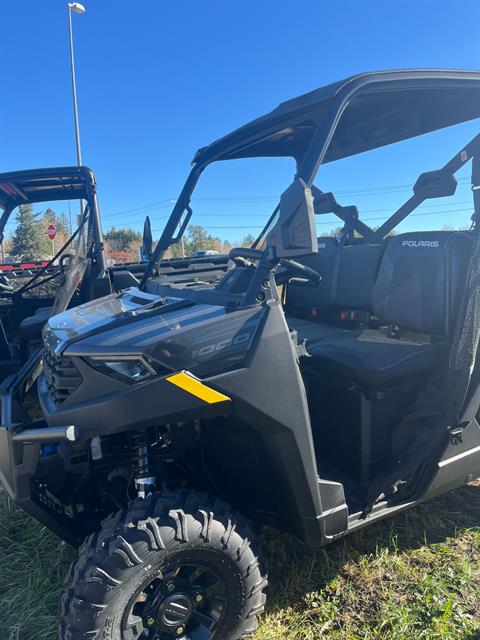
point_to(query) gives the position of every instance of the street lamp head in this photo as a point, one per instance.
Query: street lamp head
(77, 7)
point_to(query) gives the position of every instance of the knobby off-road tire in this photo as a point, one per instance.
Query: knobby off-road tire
(137, 545)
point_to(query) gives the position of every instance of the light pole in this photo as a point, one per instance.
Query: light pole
(77, 8)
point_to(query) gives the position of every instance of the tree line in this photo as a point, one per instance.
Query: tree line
(30, 240)
(123, 245)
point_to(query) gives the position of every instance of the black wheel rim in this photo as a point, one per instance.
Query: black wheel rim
(186, 601)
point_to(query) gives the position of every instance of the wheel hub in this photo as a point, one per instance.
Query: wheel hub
(176, 610)
(185, 602)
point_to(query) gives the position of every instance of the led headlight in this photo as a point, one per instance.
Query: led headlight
(130, 369)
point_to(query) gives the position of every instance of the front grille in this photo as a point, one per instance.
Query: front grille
(61, 375)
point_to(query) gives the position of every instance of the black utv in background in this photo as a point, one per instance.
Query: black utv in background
(320, 385)
(75, 274)
(78, 271)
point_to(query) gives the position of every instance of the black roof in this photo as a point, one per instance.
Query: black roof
(378, 108)
(44, 185)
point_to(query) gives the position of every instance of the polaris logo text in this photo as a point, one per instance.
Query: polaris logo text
(433, 244)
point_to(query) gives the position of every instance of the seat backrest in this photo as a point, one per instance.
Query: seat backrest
(357, 270)
(348, 277)
(421, 280)
(300, 298)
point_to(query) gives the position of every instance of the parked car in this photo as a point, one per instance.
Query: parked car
(203, 254)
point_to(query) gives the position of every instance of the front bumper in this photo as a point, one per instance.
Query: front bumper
(26, 470)
(21, 438)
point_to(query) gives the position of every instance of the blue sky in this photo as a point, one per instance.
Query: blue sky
(158, 79)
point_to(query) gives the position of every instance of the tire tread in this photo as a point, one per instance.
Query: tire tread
(160, 523)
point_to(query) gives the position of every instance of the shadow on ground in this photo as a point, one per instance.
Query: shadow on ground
(296, 570)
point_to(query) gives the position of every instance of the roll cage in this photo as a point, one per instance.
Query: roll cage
(362, 113)
(50, 184)
(83, 273)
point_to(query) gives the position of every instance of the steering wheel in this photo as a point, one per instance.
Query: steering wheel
(242, 256)
(306, 277)
(5, 285)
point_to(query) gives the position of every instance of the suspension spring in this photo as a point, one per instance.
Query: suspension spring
(145, 481)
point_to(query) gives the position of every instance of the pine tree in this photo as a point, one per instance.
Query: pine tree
(50, 217)
(248, 240)
(65, 224)
(200, 240)
(122, 239)
(29, 242)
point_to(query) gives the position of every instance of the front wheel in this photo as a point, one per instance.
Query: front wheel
(178, 565)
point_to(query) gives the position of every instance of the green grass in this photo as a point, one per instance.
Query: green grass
(416, 576)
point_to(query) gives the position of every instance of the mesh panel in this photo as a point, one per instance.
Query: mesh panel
(440, 404)
(77, 266)
(464, 353)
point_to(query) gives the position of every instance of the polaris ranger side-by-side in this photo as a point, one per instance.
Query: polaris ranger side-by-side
(169, 410)
(77, 272)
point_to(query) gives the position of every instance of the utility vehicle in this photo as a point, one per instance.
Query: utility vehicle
(320, 385)
(31, 291)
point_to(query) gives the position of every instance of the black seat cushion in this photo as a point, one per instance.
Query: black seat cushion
(418, 287)
(32, 326)
(375, 361)
(311, 331)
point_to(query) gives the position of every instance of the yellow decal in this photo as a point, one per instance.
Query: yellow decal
(188, 383)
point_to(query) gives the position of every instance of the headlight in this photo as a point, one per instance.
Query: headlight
(130, 369)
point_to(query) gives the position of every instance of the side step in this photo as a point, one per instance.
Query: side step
(334, 507)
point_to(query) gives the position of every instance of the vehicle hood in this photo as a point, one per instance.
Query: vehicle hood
(172, 332)
(97, 315)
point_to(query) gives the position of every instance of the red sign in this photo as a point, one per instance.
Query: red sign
(51, 232)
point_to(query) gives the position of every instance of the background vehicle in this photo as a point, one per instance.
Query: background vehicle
(30, 291)
(349, 397)
(203, 254)
(18, 269)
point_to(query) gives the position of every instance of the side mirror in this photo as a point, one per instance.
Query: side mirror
(295, 231)
(147, 240)
(435, 184)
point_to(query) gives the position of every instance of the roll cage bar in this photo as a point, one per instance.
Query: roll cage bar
(55, 183)
(349, 117)
(349, 214)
